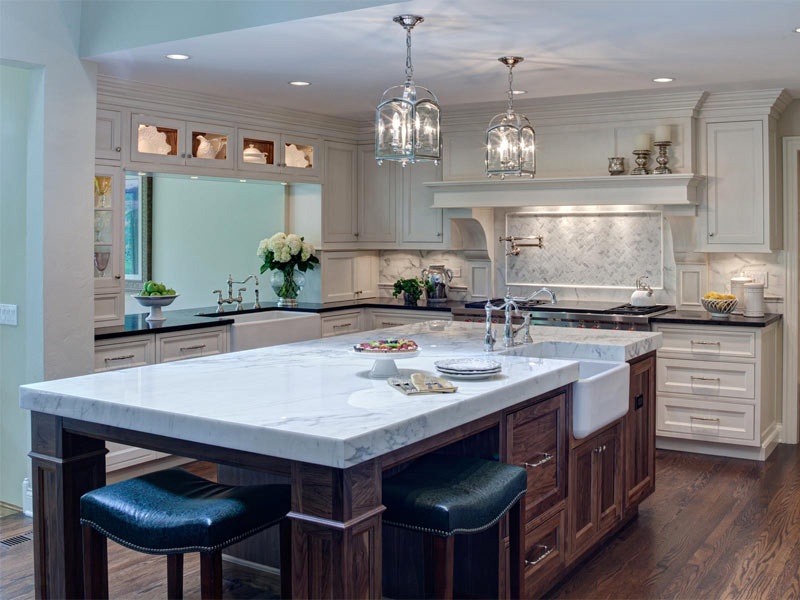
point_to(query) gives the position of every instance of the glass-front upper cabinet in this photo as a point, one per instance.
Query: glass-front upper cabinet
(210, 145)
(259, 151)
(107, 259)
(300, 155)
(158, 140)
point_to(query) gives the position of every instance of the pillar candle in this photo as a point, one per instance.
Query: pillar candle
(642, 141)
(663, 133)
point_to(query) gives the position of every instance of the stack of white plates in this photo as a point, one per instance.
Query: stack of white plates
(468, 368)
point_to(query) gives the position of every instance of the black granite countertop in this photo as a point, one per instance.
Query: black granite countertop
(189, 318)
(690, 317)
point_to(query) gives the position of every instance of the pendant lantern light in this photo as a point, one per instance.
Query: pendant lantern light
(510, 139)
(408, 118)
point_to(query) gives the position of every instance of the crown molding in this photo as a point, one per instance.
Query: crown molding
(144, 97)
(758, 103)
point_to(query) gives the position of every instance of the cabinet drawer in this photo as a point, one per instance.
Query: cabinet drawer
(133, 352)
(191, 345)
(734, 380)
(544, 555)
(341, 323)
(701, 419)
(701, 343)
(537, 440)
(382, 319)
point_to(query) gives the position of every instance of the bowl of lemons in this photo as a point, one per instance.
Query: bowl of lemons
(155, 296)
(720, 306)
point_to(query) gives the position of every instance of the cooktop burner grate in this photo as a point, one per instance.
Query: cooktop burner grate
(629, 309)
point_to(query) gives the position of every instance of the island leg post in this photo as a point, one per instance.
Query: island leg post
(336, 531)
(64, 467)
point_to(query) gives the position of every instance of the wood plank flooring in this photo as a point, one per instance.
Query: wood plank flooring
(715, 528)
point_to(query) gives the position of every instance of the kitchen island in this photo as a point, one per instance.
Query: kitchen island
(308, 411)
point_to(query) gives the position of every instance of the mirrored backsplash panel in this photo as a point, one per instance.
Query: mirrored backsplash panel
(587, 249)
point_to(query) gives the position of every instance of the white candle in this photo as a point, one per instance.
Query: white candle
(642, 141)
(663, 133)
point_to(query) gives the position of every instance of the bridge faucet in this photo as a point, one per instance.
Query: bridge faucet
(248, 278)
(509, 333)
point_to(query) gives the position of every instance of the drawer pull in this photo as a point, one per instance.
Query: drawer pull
(701, 343)
(600, 449)
(391, 324)
(713, 419)
(547, 552)
(197, 347)
(125, 357)
(545, 458)
(340, 325)
(698, 378)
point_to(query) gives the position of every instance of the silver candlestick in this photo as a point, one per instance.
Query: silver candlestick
(662, 159)
(642, 158)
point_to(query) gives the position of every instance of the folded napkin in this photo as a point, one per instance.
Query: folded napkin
(421, 383)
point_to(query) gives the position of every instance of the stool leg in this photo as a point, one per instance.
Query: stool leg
(438, 566)
(286, 558)
(174, 576)
(95, 564)
(211, 575)
(516, 538)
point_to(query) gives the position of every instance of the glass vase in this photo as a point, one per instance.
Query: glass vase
(287, 286)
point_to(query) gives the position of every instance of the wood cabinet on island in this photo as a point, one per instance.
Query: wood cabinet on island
(334, 431)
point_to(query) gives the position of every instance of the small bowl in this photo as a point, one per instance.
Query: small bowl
(154, 303)
(719, 309)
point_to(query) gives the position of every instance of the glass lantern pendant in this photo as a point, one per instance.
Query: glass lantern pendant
(408, 118)
(510, 139)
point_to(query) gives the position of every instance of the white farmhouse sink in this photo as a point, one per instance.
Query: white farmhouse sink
(271, 328)
(600, 396)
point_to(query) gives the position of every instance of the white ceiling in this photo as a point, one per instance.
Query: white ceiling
(571, 47)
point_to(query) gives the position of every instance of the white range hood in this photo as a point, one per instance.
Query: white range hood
(678, 190)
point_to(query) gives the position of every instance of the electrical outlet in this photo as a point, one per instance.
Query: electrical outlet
(759, 277)
(8, 314)
(456, 272)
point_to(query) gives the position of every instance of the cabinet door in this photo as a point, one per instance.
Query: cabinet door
(339, 193)
(420, 222)
(736, 201)
(258, 151)
(464, 156)
(108, 241)
(366, 276)
(158, 140)
(537, 440)
(640, 423)
(338, 276)
(582, 497)
(377, 197)
(108, 138)
(209, 146)
(300, 155)
(544, 555)
(609, 478)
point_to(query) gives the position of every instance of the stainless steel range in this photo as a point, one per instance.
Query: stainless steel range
(590, 315)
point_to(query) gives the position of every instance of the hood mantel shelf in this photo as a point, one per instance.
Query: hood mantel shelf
(676, 190)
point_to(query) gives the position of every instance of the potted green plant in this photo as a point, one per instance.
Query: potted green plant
(412, 289)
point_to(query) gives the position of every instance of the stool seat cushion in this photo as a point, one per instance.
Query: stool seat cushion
(443, 495)
(173, 511)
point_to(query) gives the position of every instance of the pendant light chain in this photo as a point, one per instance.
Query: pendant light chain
(511, 89)
(409, 66)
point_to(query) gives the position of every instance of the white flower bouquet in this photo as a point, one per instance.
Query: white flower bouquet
(288, 257)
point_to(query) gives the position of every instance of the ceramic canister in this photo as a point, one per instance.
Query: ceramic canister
(737, 289)
(754, 300)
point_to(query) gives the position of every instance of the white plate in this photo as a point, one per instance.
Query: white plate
(468, 365)
(469, 375)
(468, 372)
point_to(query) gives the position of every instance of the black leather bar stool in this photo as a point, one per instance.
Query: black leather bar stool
(173, 512)
(445, 495)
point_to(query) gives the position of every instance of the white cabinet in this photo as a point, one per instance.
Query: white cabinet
(108, 135)
(258, 151)
(341, 322)
(464, 156)
(158, 140)
(742, 210)
(377, 197)
(109, 215)
(209, 145)
(381, 318)
(349, 275)
(192, 344)
(300, 155)
(339, 193)
(419, 222)
(719, 389)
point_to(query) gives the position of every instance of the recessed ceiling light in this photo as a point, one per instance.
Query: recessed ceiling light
(284, 183)
(797, 30)
(663, 79)
(300, 83)
(193, 177)
(518, 92)
(243, 181)
(177, 56)
(141, 173)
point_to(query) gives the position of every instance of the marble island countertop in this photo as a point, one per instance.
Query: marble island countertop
(312, 401)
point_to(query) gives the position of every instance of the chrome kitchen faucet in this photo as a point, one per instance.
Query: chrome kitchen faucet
(509, 333)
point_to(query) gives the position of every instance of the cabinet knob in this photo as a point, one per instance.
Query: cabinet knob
(117, 149)
(356, 234)
(438, 234)
(711, 234)
(117, 276)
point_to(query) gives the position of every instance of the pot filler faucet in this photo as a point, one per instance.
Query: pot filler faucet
(238, 299)
(509, 332)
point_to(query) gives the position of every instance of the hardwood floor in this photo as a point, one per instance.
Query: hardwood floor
(714, 528)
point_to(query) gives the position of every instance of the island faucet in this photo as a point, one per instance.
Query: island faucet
(509, 333)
